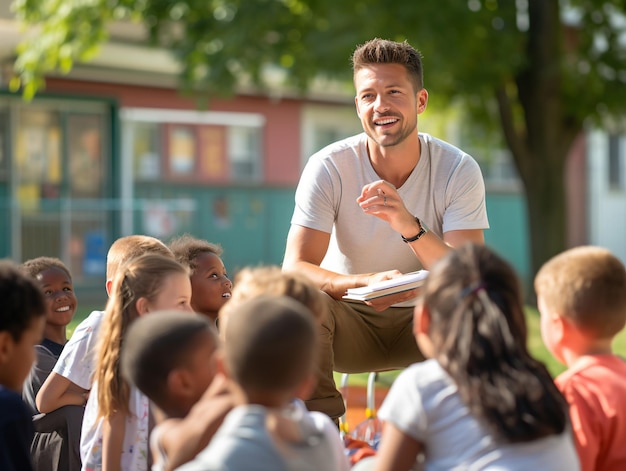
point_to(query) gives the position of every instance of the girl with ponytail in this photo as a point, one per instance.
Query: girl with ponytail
(116, 422)
(481, 401)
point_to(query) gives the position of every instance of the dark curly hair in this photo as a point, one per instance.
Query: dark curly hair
(187, 248)
(35, 266)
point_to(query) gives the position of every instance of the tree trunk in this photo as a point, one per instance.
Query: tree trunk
(541, 136)
(547, 213)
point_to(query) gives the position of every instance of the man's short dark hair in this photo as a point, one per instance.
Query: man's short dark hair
(383, 51)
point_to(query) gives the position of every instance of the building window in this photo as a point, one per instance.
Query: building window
(323, 125)
(60, 166)
(181, 150)
(194, 146)
(38, 157)
(214, 163)
(146, 151)
(327, 135)
(243, 153)
(86, 165)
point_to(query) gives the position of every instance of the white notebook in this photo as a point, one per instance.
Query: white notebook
(405, 282)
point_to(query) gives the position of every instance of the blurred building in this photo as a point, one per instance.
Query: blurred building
(113, 148)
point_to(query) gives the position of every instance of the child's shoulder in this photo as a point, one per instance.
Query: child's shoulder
(89, 324)
(603, 370)
(423, 374)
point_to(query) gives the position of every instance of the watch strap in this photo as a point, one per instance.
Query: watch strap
(423, 230)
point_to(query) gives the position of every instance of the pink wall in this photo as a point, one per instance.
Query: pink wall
(281, 139)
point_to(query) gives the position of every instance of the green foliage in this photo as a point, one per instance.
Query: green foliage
(470, 48)
(534, 70)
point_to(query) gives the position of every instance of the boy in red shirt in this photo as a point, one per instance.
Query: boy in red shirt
(581, 295)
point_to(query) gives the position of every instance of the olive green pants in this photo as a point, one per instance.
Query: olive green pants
(355, 338)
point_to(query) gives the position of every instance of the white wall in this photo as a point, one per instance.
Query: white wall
(607, 206)
(341, 119)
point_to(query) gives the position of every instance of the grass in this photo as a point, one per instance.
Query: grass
(535, 346)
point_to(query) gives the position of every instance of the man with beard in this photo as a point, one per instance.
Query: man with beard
(374, 206)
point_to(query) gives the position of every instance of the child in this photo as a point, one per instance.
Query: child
(272, 280)
(56, 283)
(210, 286)
(116, 423)
(581, 295)
(169, 356)
(22, 319)
(57, 434)
(252, 282)
(182, 440)
(269, 353)
(481, 401)
(70, 380)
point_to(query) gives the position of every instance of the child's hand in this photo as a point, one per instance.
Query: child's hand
(189, 436)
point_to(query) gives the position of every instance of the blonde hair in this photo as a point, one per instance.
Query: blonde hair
(271, 280)
(141, 277)
(588, 286)
(133, 246)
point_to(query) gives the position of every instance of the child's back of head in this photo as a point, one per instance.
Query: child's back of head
(270, 346)
(168, 356)
(271, 280)
(478, 331)
(581, 296)
(133, 246)
(22, 317)
(587, 285)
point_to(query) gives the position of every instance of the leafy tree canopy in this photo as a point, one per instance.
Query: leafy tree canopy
(536, 68)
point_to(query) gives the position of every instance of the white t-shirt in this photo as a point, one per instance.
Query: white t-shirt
(425, 404)
(135, 447)
(78, 359)
(445, 190)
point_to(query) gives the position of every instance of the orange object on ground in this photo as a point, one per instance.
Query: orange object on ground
(356, 403)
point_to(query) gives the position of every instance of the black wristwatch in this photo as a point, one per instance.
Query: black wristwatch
(423, 230)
